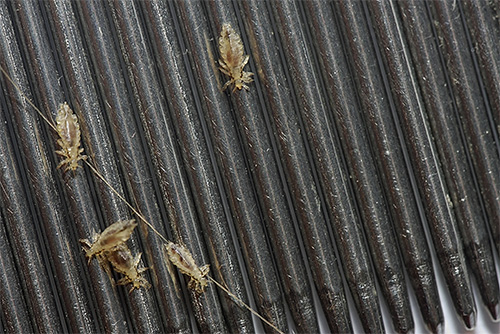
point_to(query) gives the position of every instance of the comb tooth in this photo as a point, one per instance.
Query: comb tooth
(367, 140)
(494, 311)
(469, 320)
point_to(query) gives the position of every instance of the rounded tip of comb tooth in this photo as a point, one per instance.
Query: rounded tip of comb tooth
(469, 320)
(494, 311)
(410, 331)
(439, 328)
(436, 328)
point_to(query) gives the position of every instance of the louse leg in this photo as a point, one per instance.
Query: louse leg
(126, 280)
(137, 259)
(193, 285)
(87, 245)
(142, 270)
(104, 263)
(247, 77)
(204, 270)
(63, 162)
(245, 61)
(224, 68)
(61, 153)
(71, 162)
(227, 85)
(142, 282)
(81, 157)
(201, 285)
(137, 283)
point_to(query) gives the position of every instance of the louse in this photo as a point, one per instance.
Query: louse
(114, 235)
(68, 129)
(182, 258)
(233, 59)
(123, 262)
(102, 250)
(110, 248)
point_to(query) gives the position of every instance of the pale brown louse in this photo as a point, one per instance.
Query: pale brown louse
(182, 258)
(68, 129)
(114, 235)
(233, 59)
(110, 248)
(123, 262)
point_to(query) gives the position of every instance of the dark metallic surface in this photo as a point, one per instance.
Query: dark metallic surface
(288, 134)
(485, 31)
(15, 314)
(472, 110)
(347, 114)
(253, 122)
(30, 256)
(57, 236)
(235, 174)
(451, 147)
(346, 223)
(272, 195)
(180, 206)
(80, 198)
(127, 136)
(429, 176)
(84, 99)
(199, 162)
(392, 162)
(143, 79)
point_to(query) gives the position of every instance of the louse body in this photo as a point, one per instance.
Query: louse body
(113, 236)
(233, 59)
(123, 262)
(68, 130)
(110, 248)
(182, 258)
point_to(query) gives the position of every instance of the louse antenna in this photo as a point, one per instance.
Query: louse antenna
(134, 210)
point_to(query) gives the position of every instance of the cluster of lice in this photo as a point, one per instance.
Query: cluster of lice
(123, 262)
(182, 258)
(68, 129)
(110, 248)
(113, 236)
(233, 59)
